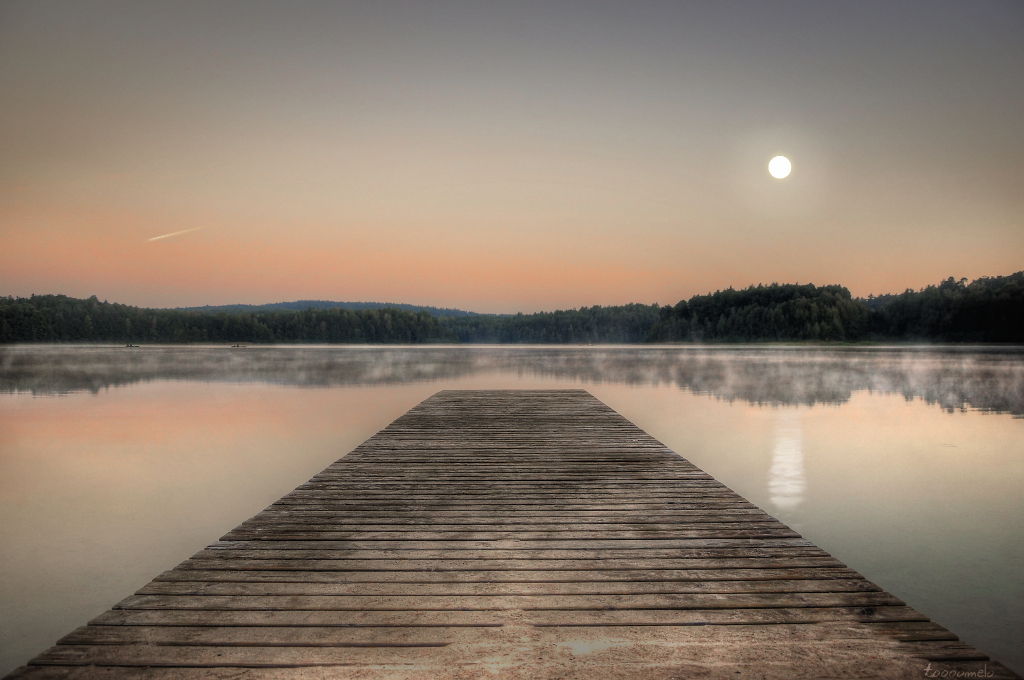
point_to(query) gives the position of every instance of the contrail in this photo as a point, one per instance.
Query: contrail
(185, 231)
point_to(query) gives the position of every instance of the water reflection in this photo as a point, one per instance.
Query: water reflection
(988, 379)
(786, 483)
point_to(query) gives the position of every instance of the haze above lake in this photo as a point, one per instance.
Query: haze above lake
(117, 463)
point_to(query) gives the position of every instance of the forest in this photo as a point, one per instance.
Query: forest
(988, 309)
(58, 318)
(302, 305)
(586, 325)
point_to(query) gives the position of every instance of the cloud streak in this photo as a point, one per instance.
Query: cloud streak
(174, 233)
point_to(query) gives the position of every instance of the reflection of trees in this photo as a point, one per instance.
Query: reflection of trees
(51, 369)
(954, 378)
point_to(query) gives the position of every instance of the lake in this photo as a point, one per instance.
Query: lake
(117, 463)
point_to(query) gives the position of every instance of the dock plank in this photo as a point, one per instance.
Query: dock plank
(510, 534)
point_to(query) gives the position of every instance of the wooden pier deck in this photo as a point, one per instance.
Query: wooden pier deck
(511, 534)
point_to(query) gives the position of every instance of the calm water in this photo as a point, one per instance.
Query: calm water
(117, 463)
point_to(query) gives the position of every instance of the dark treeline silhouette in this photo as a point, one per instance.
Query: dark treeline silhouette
(985, 310)
(624, 324)
(766, 313)
(57, 318)
(989, 309)
(302, 305)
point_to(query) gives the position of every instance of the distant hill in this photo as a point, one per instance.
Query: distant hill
(302, 305)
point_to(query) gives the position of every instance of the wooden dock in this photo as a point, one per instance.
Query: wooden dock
(511, 534)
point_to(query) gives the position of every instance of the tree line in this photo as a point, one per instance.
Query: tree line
(989, 309)
(302, 305)
(58, 318)
(586, 325)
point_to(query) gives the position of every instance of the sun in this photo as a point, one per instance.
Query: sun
(780, 167)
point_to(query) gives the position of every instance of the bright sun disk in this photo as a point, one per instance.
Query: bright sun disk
(780, 167)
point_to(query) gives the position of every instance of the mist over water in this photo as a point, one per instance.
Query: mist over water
(987, 379)
(116, 463)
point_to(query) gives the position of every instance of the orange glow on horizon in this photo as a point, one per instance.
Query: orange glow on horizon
(89, 251)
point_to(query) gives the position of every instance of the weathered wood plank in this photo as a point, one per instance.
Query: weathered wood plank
(447, 589)
(297, 560)
(373, 525)
(765, 547)
(507, 576)
(847, 662)
(546, 618)
(677, 511)
(244, 657)
(524, 539)
(502, 602)
(597, 548)
(277, 636)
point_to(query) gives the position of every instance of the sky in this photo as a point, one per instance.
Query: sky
(505, 156)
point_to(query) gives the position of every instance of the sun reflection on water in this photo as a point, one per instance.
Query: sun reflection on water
(786, 481)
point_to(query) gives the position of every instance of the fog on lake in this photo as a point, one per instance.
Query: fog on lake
(953, 378)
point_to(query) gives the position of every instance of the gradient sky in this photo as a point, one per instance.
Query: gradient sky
(505, 156)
